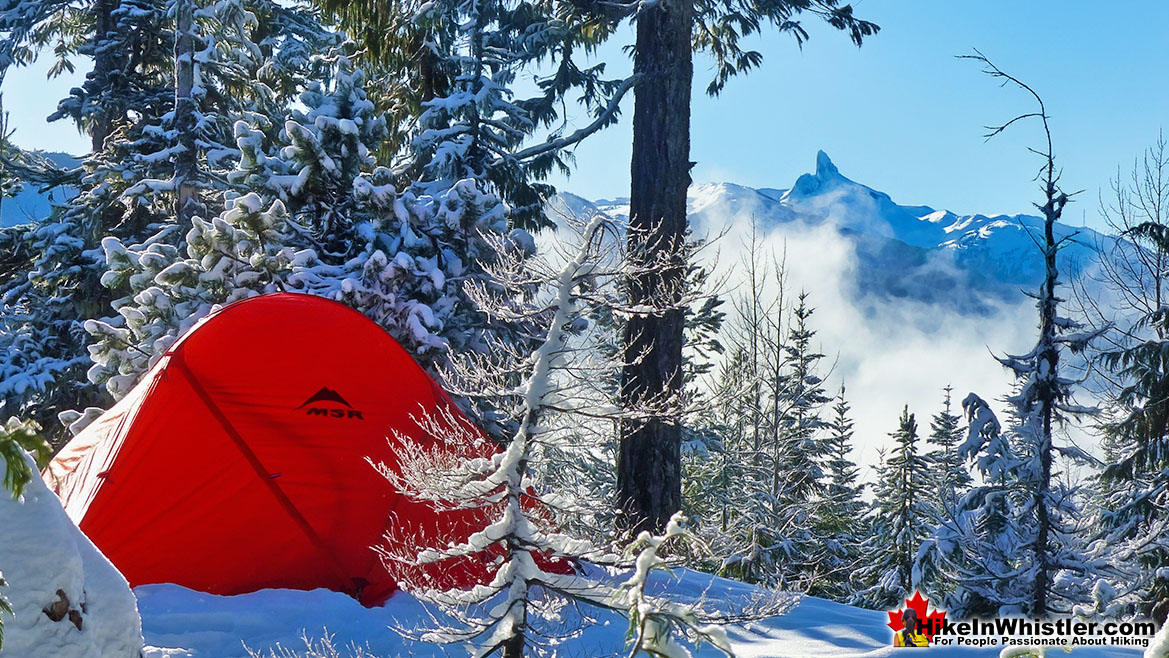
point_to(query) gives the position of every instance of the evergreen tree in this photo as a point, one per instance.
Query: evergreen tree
(797, 449)
(126, 186)
(1046, 508)
(668, 32)
(1131, 488)
(840, 516)
(758, 491)
(975, 554)
(1128, 495)
(454, 63)
(901, 523)
(323, 220)
(985, 549)
(951, 477)
(798, 397)
(950, 481)
(52, 282)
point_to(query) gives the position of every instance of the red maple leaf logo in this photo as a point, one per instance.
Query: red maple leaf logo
(920, 605)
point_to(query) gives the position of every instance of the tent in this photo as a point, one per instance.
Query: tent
(239, 462)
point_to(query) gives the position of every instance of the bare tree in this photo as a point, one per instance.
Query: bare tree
(1129, 284)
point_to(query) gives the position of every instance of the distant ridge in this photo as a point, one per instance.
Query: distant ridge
(969, 263)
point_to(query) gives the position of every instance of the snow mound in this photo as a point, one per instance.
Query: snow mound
(68, 600)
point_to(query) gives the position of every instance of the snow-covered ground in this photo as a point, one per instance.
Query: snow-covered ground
(180, 623)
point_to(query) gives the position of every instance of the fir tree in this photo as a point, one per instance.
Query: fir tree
(1131, 488)
(901, 522)
(1128, 495)
(762, 500)
(840, 515)
(798, 397)
(974, 554)
(950, 481)
(951, 476)
(1045, 506)
(455, 62)
(323, 219)
(797, 449)
(126, 186)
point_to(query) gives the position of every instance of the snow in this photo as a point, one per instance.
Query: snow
(180, 623)
(1159, 647)
(43, 556)
(930, 255)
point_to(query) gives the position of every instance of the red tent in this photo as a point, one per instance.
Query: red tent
(239, 461)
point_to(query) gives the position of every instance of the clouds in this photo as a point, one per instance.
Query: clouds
(888, 351)
(908, 299)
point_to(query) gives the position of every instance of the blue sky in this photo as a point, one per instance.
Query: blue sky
(900, 114)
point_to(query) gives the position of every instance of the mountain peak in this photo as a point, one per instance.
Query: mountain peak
(826, 176)
(825, 167)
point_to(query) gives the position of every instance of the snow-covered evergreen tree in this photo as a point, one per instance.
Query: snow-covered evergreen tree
(1054, 571)
(1128, 494)
(1131, 522)
(795, 452)
(323, 219)
(984, 550)
(448, 70)
(975, 553)
(949, 482)
(901, 521)
(762, 501)
(125, 186)
(797, 398)
(733, 509)
(841, 515)
(951, 476)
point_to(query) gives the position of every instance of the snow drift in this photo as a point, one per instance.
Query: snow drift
(68, 600)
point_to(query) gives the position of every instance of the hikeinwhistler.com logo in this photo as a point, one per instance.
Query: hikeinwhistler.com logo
(919, 625)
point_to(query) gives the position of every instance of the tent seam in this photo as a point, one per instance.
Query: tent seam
(254, 461)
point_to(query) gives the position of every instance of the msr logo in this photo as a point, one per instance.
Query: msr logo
(324, 403)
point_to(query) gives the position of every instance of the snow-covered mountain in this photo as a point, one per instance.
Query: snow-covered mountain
(967, 263)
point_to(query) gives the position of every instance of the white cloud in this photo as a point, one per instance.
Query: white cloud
(902, 351)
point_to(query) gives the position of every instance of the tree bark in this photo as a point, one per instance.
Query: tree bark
(186, 161)
(649, 471)
(1048, 365)
(101, 124)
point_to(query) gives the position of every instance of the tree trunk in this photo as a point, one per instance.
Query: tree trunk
(185, 121)
(649, 470)
(101, 124)
(1048, 363)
